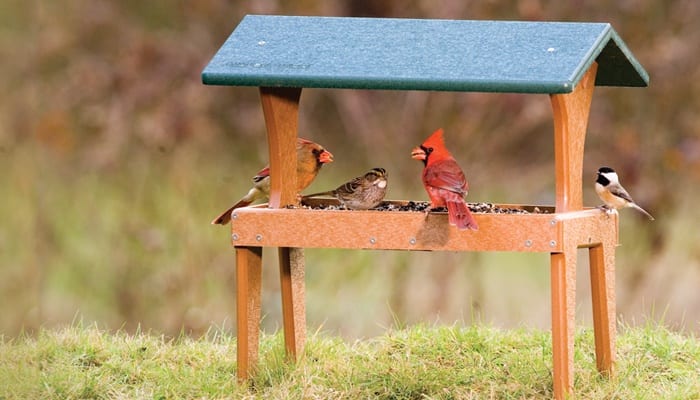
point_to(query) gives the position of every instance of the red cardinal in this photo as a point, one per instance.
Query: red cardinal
(310, 158)
(444, 180)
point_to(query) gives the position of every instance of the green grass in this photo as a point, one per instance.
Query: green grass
(420, 362)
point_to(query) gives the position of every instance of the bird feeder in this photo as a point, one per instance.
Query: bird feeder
(283, 54)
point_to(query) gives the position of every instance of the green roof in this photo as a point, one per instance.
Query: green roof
(421, 54)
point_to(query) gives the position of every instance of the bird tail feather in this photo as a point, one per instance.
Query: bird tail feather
(643, 211)
(328, 193)
(459, 215)
(247, 200)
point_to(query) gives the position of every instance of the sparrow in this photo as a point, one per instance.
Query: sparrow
(310, 158)
(444, 180)
(614, 196)
(360, 193)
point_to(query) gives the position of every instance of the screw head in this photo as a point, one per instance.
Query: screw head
(552, 243)
(412, 241)
(234, 236)
(372, 240)
(258, 237)
(528, 243)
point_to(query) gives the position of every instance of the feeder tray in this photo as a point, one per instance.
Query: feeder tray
(322, 224)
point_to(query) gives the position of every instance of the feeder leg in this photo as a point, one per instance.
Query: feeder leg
(281, 110)
(563, 277)
(570, 111)
(293, 301)
(602, 264)
(248, 285)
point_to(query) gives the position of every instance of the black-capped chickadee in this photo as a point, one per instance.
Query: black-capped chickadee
(608, 187)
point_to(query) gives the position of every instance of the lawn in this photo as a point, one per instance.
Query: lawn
(418, 362)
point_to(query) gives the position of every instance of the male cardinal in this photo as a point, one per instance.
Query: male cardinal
(444, 180)
(361, 193)
(609, 189)
(310, 158)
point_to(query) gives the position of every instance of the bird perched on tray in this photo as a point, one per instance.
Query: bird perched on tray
(444, 180)
(614, 196)
(360, 193)
(310, 158)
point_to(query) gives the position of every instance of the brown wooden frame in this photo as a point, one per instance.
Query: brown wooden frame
(560, 233)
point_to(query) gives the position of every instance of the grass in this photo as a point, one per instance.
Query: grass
(419, 362)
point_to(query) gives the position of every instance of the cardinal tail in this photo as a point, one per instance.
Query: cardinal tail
(459, 215)
(225, 216)
(248, 199)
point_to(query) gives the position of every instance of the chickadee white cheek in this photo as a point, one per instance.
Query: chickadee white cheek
(612, 177)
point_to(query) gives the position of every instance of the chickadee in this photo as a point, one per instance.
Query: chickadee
(361, 193)
(608, 188)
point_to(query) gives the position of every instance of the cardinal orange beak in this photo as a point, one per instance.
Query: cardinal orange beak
(417, 153)
(325, 157)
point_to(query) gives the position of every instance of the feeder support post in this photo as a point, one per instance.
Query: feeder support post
(248, 287)
(281, 111)
(570, 121)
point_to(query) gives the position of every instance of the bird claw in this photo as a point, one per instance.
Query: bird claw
(607, 210)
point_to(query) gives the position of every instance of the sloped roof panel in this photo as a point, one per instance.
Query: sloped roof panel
(411, 54)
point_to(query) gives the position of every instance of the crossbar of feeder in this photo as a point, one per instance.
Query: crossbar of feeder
(405, 230)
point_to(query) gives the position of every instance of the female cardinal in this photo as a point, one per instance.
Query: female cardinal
(361, 193)
(444, 180)
(310, 158)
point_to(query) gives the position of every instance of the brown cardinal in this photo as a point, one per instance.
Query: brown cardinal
(444, 180)
(361, 193)
(310, 158)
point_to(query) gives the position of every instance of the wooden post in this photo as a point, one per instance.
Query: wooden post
(248, 286)
(563, 281)
(293, 306)
(602, 264)
(570, 121)
(281, 110)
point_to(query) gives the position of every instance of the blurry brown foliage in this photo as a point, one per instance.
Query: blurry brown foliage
(97, 84)
(98, 79)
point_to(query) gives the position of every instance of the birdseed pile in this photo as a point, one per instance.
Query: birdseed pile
(423, 206)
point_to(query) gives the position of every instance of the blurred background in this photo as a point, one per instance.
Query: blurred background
(114, 158)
